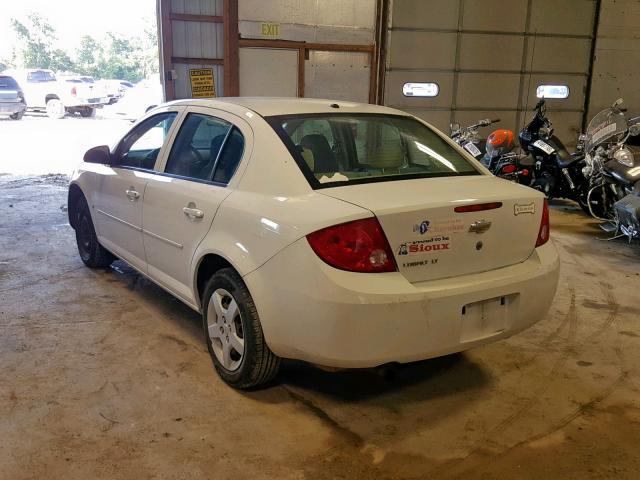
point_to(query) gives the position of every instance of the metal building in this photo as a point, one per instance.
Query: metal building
(487, 58)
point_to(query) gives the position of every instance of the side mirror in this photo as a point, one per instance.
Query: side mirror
(454, 127)
(617, 103)
(100, 154)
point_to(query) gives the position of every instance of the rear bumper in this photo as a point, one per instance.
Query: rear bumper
(97, 102)
(310, 311)
(9, 108)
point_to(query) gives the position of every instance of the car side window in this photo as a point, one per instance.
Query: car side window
(206, 148)
(229, 157)
(141, 146)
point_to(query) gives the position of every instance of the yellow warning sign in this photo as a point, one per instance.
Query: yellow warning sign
(202, 85)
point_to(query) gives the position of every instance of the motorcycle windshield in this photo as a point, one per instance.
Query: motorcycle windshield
(609, 123)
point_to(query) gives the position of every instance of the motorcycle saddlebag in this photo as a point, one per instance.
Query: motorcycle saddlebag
(628, 212)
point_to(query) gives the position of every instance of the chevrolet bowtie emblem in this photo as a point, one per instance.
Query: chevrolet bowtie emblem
(480, 226)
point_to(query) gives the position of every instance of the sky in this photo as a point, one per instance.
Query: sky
(74, 18)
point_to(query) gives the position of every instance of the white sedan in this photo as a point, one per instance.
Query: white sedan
(342, 234)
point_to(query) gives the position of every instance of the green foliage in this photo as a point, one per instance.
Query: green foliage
(115, 56)
(36, 39)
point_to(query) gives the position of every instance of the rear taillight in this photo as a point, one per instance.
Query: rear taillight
(74, 92)
(510, 168)
(543, 233)
(358, 246)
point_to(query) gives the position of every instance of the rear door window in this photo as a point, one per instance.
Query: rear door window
(206, 148)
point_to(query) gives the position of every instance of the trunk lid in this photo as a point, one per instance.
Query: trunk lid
(430, 240)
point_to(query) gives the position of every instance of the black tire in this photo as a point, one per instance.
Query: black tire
(87, 112)
(258, 364)
(92, 254)
(17, 115)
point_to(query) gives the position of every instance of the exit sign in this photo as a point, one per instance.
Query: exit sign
(270, 29)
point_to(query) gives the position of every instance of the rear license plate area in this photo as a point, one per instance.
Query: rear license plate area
(486, 318)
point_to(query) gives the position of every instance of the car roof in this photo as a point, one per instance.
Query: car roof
(268, 106)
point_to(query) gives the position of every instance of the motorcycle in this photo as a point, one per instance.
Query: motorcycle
(608, 160)
(556, 172)
(614, 193)
(469, 138)
(495, 153)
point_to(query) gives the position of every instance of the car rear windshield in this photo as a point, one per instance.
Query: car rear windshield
(8, 83)
(344, 149)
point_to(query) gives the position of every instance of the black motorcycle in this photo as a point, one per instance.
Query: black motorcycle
(469, 138)
(556, 172)
(614, 193)
(609, 161)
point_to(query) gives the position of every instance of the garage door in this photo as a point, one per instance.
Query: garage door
(487, 58)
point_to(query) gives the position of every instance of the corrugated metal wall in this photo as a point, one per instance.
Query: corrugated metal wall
(330, 21)
(488, 57)
(337, 75)
(616, 68)
(197, 40)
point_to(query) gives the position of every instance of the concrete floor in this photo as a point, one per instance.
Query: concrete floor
(104, 375)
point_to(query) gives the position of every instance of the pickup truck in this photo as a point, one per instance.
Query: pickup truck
(43, 91)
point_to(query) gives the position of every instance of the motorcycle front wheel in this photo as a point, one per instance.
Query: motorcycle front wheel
(597, 203)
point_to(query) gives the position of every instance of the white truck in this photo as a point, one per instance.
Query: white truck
(43, 91)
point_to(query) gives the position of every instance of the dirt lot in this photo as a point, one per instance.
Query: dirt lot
(104, 375)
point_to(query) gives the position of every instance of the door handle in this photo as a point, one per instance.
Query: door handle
(132, 194)
(193, 213)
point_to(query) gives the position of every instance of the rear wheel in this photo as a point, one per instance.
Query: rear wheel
(234, 335)
(17, 115)
(55, 108)
(91, 252)
(87, 112)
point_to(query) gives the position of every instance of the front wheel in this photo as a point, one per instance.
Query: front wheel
(55, 108)
(234, 334)
(92, 254)
(17, 115)
(597, 202)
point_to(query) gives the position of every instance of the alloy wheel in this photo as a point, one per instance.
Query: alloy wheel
(224, 327)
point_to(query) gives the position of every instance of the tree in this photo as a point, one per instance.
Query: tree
(37, 40)
(114, 56)
(90, 56)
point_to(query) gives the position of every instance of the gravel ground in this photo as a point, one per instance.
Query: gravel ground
(103, 375)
